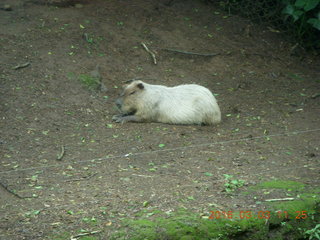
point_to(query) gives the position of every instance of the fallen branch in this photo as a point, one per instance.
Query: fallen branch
(138, 175)
(279, 199)
(314, 96)
(191, 53)
(5, 186)
(150, 52)
(61, 154)
(21, 66)
(83, 234)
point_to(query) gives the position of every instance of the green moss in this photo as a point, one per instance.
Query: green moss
(190, 226)
(296, 218)
(89, 81)
(279, 184)
(88, 238)
(61, 236)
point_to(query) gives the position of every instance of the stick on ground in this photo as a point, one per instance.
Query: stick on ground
(61, 154)
(150, 52)
(279, 199)
(10, 191)
(21, 66)
(83, 234)
(191, 53)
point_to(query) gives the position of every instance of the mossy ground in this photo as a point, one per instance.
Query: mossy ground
(287, 220)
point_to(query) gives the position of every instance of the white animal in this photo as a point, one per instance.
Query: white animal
(183, 104)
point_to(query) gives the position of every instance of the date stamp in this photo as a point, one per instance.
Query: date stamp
(256, 215)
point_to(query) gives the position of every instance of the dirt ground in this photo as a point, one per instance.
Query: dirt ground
(268, 96)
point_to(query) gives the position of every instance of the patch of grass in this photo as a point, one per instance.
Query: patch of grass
(279, 184)
(91, 82)
(61, 236)
(186, 225)
(298, 219)
(88, 238)
(295, 76)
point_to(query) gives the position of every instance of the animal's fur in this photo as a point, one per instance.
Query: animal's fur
(183, 104)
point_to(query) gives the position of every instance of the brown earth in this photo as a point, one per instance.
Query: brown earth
(267, 95)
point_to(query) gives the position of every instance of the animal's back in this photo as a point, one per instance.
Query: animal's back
(188, 104)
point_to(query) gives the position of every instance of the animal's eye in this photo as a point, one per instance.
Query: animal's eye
(132, 93)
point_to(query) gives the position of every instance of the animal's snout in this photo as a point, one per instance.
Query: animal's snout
(119, 103)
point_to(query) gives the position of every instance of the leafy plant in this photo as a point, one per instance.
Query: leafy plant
(305, 17)
(231, 183)
(313, 233)
(299, 9)
(299, 18)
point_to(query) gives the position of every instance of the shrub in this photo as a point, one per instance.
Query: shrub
(299, 18)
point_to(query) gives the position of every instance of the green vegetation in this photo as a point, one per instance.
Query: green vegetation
(188, 225)
(313, 233)
(91, 82)
(297, 219)
(304, 17)
(231, 183)
(291, 185)
(299, 18)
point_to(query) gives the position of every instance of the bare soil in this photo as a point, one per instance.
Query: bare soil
(268, 97)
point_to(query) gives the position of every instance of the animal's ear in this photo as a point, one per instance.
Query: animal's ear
(128, 81)
(140, 86)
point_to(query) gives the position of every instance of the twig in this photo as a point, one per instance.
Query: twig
(279, 199)
(81, 179)
(83, 234)
(191, 53)
(314, 96)
(138, 175)
(21, 66)
(10, 191)
(151, 53)
(61, 154)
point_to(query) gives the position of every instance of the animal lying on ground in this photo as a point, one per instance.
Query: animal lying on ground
(183, 104)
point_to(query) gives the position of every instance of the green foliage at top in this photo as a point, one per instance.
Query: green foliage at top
(299, 18)
(299, 9)
(304, 15)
